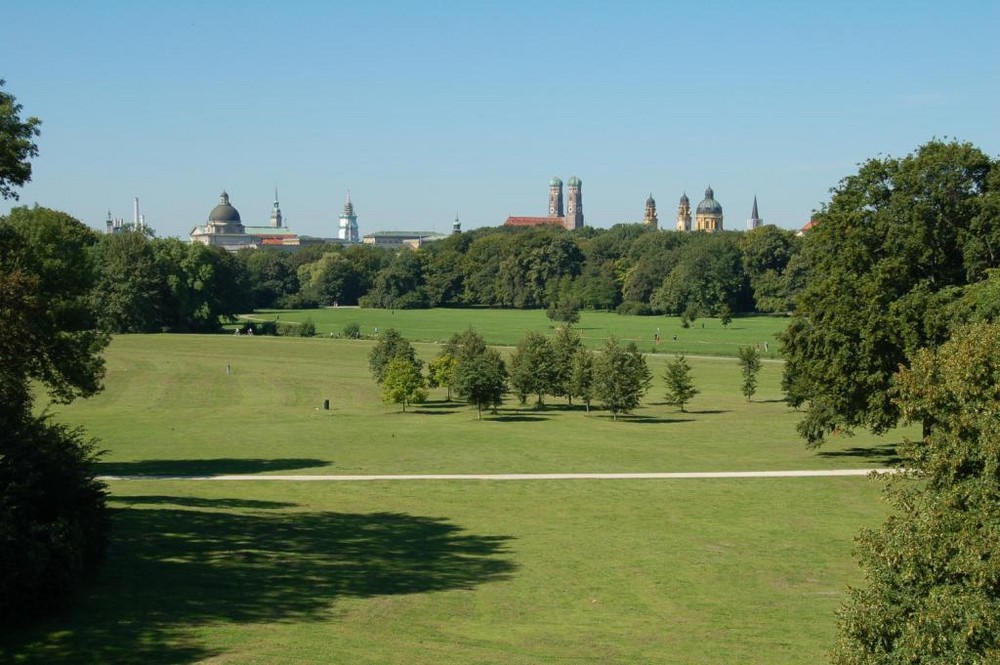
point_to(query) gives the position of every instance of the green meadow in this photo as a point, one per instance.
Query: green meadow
(591, 571)
(506, 326)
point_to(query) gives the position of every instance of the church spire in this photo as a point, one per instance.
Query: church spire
(276, 219)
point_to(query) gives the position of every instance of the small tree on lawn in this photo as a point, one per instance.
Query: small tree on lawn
(402, 383)
(581, 377)
(680, 385)
(532, 367)
(392, 345)
(482, 380)
(725, 315)
(441, 372)
(621, 377)
(565, 346)
(750, 365)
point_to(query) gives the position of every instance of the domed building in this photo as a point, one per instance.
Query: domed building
(225, 229)
(708, 214)
(649, 216)
(570, 218)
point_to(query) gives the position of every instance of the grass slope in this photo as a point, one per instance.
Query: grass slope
(645, 571)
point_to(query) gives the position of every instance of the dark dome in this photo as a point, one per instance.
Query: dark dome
(709, 206)
(684, 198)
(650, 201)
(224, 212)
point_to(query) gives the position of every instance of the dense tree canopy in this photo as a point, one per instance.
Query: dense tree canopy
(17, 145)
(932, 589)
(886, 260)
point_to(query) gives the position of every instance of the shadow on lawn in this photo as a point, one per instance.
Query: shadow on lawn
(206, 467)
(882, 454)
(170, 572)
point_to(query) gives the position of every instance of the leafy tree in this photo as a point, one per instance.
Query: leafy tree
(565, 345)
(271, 279)
(884, 260)
(533, 367)
(580, 382)
(390, 346)
(932, 591)
(49, 334)
(750, 366)
(17, 145)
(307, 328)
(482, 380)
(441, 372)
(725, 315)
(402, 383)
(53, 517)
(565, 310)
(400, 285)
(621, 377)
(200, 286)
(126, 296)
(464, 345)
(680, 385)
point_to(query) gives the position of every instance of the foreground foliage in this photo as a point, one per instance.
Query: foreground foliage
(933, 592)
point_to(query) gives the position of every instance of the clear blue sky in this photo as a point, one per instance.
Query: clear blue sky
(425, 109)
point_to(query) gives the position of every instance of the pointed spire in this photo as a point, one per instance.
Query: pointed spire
(754, 214)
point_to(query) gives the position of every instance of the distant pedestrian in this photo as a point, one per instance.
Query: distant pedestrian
(229, 369)
(765, 347)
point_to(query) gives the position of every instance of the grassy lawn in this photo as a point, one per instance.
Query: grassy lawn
(706, 571)
(623, 571)
(506, 326)
(170, 408)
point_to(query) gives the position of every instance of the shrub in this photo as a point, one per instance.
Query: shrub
(633, 308)
(53, 516)
(307, 328)
(351, 331)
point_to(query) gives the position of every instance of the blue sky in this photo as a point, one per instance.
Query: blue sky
(427, 109)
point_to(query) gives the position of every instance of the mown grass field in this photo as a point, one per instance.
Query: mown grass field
(506, 326)
(623, 571)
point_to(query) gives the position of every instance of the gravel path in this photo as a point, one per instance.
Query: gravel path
(830, 473)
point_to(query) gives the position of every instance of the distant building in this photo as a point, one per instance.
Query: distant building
(684, 213)
(708, 214)
(570, 218)
(755, 222)
(119, 225)
(400, 239)
(225, 229)
(649, 217)
(348, 231)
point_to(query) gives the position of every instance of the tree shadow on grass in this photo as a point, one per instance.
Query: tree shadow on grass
(882, 454)
(170, 572)
(641, 420)
(433, 412)
(206, 467)
(518, 418)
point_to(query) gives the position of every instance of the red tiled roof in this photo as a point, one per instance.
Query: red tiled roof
(533, 221)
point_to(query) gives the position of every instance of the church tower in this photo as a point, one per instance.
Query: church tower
(276, 212)
(574, 204)
(755, 222)
(649, 218)
(348, 231)
(684, 213)
(556, 198)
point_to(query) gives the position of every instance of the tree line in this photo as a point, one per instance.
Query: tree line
(150, 284)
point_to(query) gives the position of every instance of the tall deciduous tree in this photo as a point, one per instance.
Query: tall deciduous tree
(565, 345)
(126, 296)
(884, 258)
(749, 367)
(482, 380)
(402, 383)
(533, 367)
(390, 346)
(580, 382)
(17, 145)
(621, 377)
(932, 591)
(680, 385)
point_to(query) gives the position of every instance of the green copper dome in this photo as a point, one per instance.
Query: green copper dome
(555, 182)
(575, 182)
(709, 206)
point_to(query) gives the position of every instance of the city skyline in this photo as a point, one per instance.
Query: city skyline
(431, 110)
